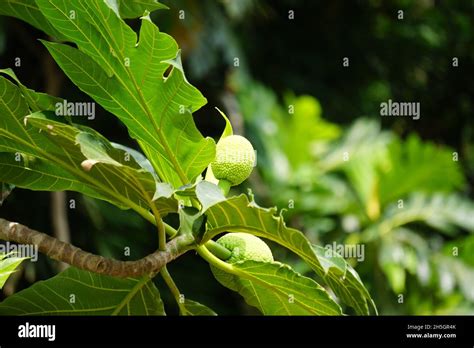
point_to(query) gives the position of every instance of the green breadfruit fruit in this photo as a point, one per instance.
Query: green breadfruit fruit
(243, 246)
(235, 159)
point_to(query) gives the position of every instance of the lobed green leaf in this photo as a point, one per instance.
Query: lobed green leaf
(130, 80)
(275, 289)
(77, 292)
(238, 214)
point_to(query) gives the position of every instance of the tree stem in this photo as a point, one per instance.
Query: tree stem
(174, 289)
(72, 255)
(61, 251)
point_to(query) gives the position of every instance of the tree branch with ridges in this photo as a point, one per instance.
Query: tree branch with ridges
(74, 256)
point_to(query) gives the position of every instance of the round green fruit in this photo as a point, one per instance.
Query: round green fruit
(243, 247)
(235, 159)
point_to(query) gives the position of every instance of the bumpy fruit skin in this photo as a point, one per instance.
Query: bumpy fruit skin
(245, 246)
(235, 158)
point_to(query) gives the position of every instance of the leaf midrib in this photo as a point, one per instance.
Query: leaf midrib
(126, 300)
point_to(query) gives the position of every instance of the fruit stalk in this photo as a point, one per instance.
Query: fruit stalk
(218, 250)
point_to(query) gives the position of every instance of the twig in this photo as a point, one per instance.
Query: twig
(65, 252)
(174, 289)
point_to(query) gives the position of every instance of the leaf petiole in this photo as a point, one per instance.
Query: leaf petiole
(213, 260)
(218, 250)
(224, 186)
(174, 289)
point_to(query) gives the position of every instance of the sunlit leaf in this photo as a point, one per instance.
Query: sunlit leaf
(42, 153)
(275, 289)
(238, 214)
(126, 77)
(8, 265)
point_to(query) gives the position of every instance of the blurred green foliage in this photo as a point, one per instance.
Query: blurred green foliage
(403, 200)
(338, 168)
